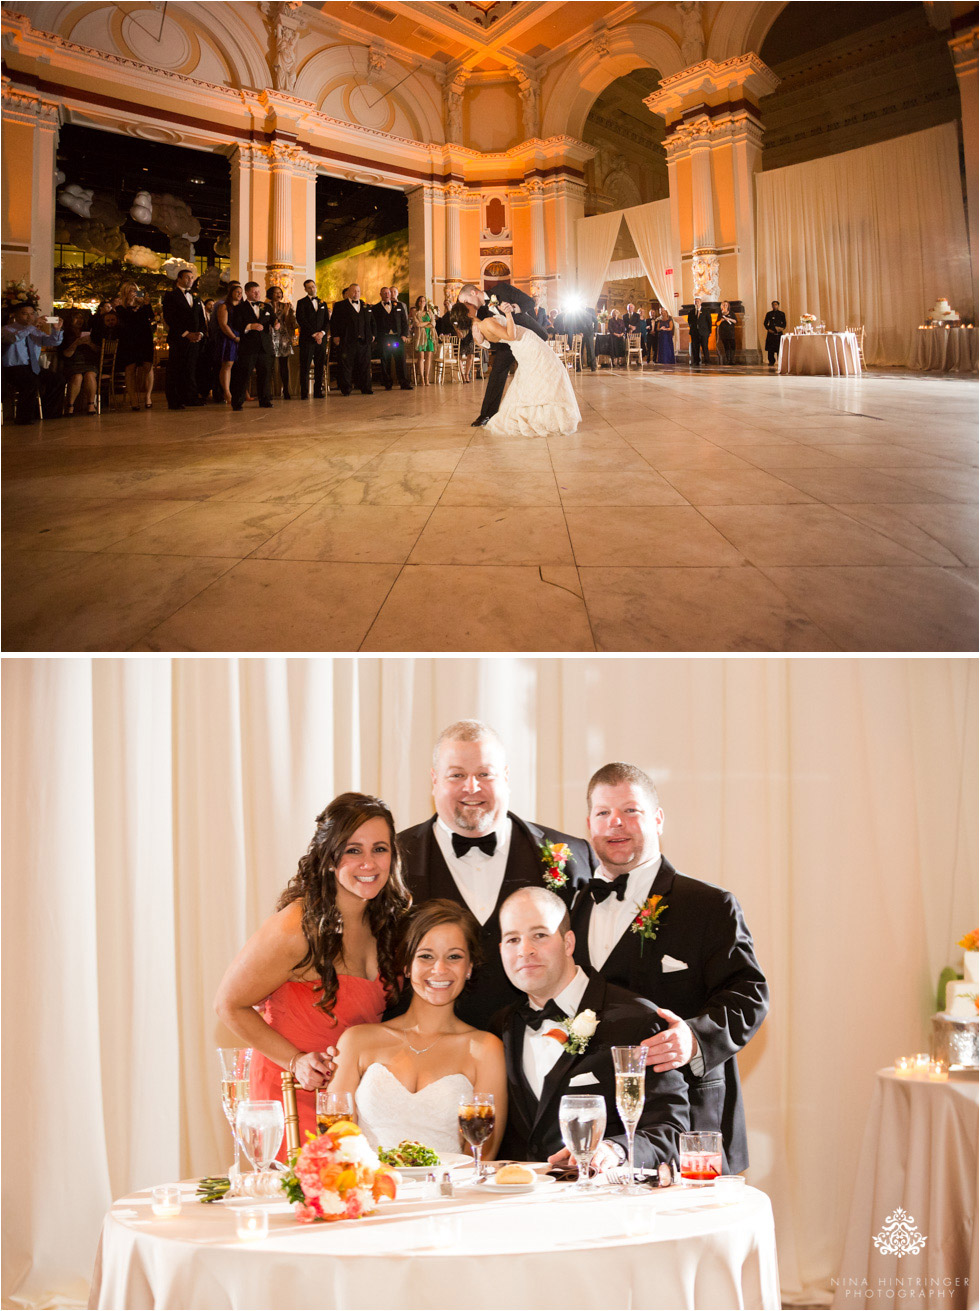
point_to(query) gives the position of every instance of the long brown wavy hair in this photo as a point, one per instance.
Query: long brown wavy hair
(315, 884)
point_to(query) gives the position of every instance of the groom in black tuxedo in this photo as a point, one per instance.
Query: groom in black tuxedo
(537, 948)
(501, 355)
(475, 852)
(699, 965)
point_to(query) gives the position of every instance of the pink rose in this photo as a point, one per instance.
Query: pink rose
(306, 1214)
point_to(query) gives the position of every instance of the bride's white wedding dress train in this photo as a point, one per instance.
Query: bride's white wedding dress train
(387, 1112)
(539, 399)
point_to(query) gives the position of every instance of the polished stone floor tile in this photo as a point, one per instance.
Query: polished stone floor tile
(84, 525)
(486, 536)
(803, 535)
(502, 488)
(660, 535)
(391, 487)
(375, 534)
(222, 528)
(733, 487)
(631, 487)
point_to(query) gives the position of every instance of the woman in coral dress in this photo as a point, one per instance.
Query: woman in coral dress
(326, 959)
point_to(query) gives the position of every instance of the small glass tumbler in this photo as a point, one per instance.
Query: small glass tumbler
(166, 1201)
(700, 1158)
(252, 1223)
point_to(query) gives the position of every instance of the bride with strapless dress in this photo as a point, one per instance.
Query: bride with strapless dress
(539, 399)
(388, 1113)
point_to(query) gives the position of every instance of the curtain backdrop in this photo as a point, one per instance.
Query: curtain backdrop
(154, 808)
(596, 239)
(869, 236)
(649, 227)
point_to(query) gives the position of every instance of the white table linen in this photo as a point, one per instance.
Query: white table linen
(672, 1249)
(826, 353)
(946, 350)
(920, 1155)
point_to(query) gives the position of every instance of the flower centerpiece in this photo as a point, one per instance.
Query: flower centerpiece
(19, 293)
(337, 1176)
(555, 856)
(807, 322)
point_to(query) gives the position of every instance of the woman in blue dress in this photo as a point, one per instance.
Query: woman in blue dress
(665, 338)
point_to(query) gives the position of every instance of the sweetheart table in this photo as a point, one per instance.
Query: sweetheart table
(675, 1248)
(829, 353)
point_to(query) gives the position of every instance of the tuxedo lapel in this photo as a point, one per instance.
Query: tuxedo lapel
(522, 1099)
(626, 960)
(556, 1079)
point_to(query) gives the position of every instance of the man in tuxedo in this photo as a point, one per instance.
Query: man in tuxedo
(313, 319)
(582, 319)
(699, 324)
(696, 962)
(251, 320)
(634, 322)
(501, 355)
(352, 332)
(183, 314)
(775, 325)
(540, 314)
(392, 331)
(475, 852)
(537, 950)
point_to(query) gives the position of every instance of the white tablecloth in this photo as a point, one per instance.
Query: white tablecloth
(831, 353)
(920, 1155)
(947, 350)
(679, 1248)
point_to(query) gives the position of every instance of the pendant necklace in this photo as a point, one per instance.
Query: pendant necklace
(420, 1051)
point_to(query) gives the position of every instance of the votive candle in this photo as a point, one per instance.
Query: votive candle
(252, 1223)
(166, 1201)
(922, 1062)
(937, 1072)
(903, 1065)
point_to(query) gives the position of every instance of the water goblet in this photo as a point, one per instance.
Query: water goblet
(583, 1122)
(629, 1064)
(260, 1126)
(476, 1120)
(234, 1063)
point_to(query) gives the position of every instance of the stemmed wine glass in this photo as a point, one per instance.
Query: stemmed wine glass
(260, 1127)
(630, 1066)
(476, 1119)
(583, 1122)
(235, 1063)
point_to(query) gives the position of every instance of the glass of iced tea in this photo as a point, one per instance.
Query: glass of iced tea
(476, 1119)
(332, 1107)
(700, 1158)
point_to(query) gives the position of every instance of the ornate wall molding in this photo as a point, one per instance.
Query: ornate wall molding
(23, 106)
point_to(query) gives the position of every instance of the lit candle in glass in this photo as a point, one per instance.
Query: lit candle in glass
(937, 1071)
(903, 1065)
(922, 1062)
(166, 1200)
(252, 1223)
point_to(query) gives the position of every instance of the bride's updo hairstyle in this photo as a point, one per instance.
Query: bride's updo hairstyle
(315, 884)
(459, 317)
(431, 915)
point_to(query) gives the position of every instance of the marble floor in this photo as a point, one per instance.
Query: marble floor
(720, 511)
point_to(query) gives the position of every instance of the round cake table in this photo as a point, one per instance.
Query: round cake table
(945, 349)
(826, 353)
(675, 1248)
(912, 1237)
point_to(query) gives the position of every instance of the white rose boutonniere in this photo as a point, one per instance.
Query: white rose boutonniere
(581, 1027)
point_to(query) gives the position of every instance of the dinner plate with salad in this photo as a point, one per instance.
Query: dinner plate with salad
(414, 1160)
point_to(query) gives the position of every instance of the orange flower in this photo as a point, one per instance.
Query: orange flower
(384, 1185)
(343, 1129)
(971, 941)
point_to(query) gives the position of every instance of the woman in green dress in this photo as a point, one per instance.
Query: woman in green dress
(423, 323)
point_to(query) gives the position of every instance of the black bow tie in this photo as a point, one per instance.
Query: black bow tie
(602, 888)
(462, 845)
(534, 1018)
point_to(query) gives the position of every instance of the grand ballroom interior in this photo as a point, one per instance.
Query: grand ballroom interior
(594, 155)
(169, 801)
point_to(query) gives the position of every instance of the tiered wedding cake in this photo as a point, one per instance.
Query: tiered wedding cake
(955, 1029)
(942, 312)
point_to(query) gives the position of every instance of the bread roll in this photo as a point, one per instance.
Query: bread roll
(514, 1174)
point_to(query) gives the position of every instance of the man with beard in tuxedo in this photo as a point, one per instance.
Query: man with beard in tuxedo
(696, 961)
(475, 852)
(537, 949)
(352, 332)
(392, 330)
(251, 321)
(312, 316)
(501, 355)
(699, 325)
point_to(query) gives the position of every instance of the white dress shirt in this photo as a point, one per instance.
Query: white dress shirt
(611, 918)
(541, 1052)
(478, 876)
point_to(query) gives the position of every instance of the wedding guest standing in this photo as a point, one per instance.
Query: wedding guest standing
(391, 328)
(23, 376)
(183, 314)
(725, 330)
(650, 336)
(283, 332)
(664, 334)
(135, 353)
(694, 959)
(775, 325)
(326, 959)
(475, 852)
(699, 324)
(423, 330)
(352, 333)
(251, 321)
(313, 319)
(226, 339)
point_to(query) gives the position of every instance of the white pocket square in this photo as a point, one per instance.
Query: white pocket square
(581, 1079)
(669, 965)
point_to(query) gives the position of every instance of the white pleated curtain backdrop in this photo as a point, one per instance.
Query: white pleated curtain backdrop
(649, 227)
(870, 236)
(153, 810)
(596, 238)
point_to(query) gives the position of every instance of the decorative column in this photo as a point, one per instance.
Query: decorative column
(453, 193)
(249, 175)
(567, 200)
(421, 252)
(282, 156)
(534, 189)
(30, 154)
(963, 48)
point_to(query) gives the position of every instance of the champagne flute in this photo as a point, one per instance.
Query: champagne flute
(630, 1066)
(235, 1063)
(583, 1122)
(476, 1119)
(260, 1126)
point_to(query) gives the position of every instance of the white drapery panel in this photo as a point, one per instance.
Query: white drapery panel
(153, 810)
(649, 227)
(625, 268)
(596, 239)
(869, 236)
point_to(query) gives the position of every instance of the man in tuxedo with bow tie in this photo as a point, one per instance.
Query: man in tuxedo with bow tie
(352, 332)
(501, 355)
(313, 319)
(392, 330)
(251, 319)
(183, 314)
(475, 852)
(537, 950)
(695, 959)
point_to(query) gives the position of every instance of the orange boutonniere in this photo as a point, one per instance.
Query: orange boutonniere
(555, 856)
(647, 921)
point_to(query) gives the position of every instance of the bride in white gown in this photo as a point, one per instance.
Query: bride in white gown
(408, 1074)
(539, 399)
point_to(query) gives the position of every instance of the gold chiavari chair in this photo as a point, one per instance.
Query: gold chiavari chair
(575, 360)
(634, 349)
(447, 357)
(107, 375)
(289, 1112)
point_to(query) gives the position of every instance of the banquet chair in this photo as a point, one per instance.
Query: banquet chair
(575, 363)
(859, 333)
(107, 375)
(634, 349)
(481, 360)
(559, 345)
(447, 356)
(289, 1112)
